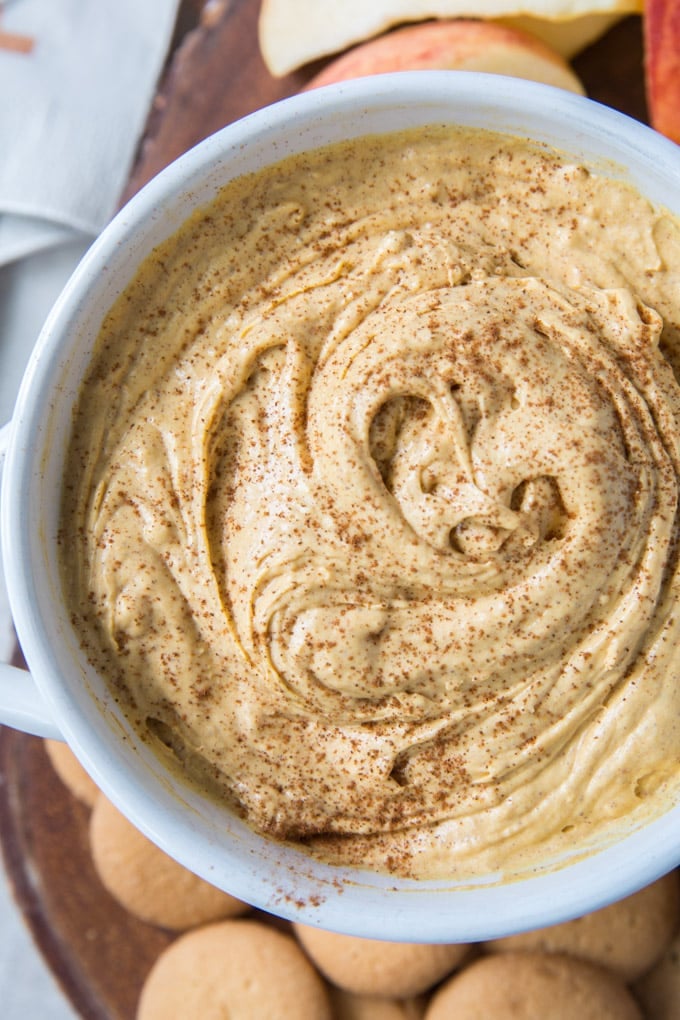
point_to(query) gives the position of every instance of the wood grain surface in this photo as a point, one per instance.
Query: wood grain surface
(99, 954)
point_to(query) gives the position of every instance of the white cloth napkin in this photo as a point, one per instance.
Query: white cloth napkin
(72, 111)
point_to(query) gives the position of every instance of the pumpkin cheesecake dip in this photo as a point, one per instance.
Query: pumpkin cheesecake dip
(371, 518)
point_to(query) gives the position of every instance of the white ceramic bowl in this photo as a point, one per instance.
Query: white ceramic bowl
(66, 697)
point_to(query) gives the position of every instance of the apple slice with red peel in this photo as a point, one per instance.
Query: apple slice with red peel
(460, 44)
(662, 65)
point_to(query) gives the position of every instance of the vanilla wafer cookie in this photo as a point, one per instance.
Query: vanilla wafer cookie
(628, 937)
(146, 881)
(240, 969)
(371, 967)
(533, 986)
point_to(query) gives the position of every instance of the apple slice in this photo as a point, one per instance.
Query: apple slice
(568, 36)
(461, 44)
(292, 33)
(662, 65)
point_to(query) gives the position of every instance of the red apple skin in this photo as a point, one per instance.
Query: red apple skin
(662, 65)
(442, 45)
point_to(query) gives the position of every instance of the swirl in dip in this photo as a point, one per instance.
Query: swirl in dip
(372, 507)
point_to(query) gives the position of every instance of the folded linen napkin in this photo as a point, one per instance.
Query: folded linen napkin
(73, 105)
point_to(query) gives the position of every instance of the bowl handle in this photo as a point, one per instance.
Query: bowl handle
(22, 706)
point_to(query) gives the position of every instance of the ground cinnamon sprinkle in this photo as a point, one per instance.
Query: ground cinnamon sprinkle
(378, 521)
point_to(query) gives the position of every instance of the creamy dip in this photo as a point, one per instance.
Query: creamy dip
(372, 502)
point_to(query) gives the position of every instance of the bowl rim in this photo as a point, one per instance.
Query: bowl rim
(340, 899)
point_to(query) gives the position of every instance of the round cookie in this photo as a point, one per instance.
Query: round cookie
(148, 883)
(659, 989)
(533, 986)
(71, 772)
(241, 969)
(627, 937)
(370, 967)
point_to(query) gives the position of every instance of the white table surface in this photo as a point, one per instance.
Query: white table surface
(27, 989)
(28, 289)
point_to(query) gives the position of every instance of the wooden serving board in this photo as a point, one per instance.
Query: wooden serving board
(99, 954)
(217, 75)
